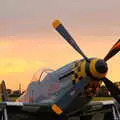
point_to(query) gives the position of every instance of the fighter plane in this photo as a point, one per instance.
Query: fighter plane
(56, 94)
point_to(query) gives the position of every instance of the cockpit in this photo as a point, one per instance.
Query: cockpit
(41, 74)
(40, 87)
(46, 87)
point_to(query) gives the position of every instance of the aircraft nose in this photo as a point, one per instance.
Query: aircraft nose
(101, 66)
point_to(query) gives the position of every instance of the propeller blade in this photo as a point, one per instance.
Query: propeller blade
(114, 50)
(115, 91)
(64, 33)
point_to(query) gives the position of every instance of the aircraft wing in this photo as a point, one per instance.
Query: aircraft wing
(24, 111)
(100, 110)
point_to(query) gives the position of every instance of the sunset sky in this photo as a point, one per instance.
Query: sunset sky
(28, 42)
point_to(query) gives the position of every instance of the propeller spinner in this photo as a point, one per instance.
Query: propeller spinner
(96, 68)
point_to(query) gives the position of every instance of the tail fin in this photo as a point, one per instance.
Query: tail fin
(3, 90)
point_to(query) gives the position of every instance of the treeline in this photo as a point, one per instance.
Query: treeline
(14, 93)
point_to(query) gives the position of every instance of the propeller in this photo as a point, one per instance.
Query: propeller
(64, 33)
(115, 92)
(114, 50)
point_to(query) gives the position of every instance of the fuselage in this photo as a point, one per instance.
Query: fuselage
(63, 81)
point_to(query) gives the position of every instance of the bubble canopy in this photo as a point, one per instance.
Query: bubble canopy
(41, 74)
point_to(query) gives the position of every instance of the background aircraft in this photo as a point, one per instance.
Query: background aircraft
(64, 91)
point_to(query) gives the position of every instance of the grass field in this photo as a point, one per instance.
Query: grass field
(11, 99)
(102, 98)
(94, 99)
